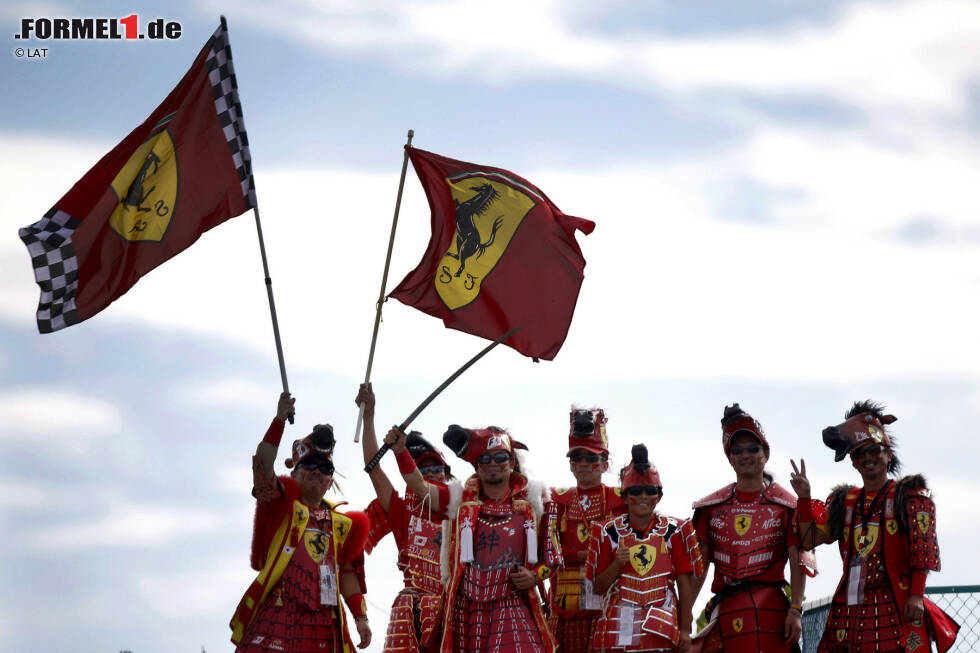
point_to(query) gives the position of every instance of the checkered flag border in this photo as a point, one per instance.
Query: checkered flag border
(221, 72)
(55, 268)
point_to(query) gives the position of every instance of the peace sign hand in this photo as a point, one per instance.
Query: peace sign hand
(799, 481)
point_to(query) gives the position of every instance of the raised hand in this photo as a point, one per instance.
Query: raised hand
(799, 481)
(286, 407)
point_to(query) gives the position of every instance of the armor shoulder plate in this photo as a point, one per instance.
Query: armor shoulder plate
(716, 497)
(563, 496)
(776, 493)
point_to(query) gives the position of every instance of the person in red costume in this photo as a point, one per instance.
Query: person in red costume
(886, 532)
(416, 527)
(492, 557)
(747, 529)
(643, 562)
(308, 554)
(574, 606)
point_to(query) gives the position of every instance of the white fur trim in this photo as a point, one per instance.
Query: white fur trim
(455, 501)
(537, 494)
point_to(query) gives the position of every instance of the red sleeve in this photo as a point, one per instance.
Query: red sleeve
(380, 525)
(792, 536)
(701, 525)
(443, 497)
(599, 554)
(398, 517)
(684, 550)
(923, 543)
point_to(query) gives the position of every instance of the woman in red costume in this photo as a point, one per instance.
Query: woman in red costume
(643, 561)
(307, 553)
(886, 532)
(416, 527)
(747, 529)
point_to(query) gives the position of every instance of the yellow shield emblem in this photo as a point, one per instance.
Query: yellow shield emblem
(488, 213)
(583, 532)
(146, 189)
(891, 526)
(841, 634)
(924, 520)
(737, 624)
(865, 542)
(316, 544)
(742, 523)
(642, 557)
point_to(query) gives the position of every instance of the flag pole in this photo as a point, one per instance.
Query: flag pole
(435, 393)
(272, 303)
(384, 282)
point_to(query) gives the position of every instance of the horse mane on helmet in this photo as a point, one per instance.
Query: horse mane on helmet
(867, 406)
(641, 459)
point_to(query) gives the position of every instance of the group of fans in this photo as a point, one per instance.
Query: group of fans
(500, 562)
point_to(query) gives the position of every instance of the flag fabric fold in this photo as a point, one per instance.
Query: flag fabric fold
(501, 255)
(186, 169)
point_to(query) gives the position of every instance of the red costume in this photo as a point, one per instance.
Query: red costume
(748, 536)
(418, 533)
(484, 540)
(887, 540)
(640, 611)
(575, 608)
(288, 608)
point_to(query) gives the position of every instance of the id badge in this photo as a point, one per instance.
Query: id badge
(855, 581)
(328, 586)
(590, 600)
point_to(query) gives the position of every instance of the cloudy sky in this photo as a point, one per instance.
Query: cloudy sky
(784, 219)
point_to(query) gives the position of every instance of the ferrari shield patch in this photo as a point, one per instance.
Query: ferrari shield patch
(146, 188)
(642, 557)
(865, 539)
(742, 523)
(488, 214)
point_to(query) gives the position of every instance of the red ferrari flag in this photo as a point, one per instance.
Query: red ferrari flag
(185, 170)
(501, 256)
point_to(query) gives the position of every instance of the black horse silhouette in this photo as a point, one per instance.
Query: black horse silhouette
(135, 195)
(743, 523)
(467, 235)
(641, 555)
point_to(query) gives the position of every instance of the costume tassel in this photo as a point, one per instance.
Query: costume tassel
(532, 542)
(466, 541)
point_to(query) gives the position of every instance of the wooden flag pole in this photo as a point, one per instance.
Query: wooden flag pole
(384, 282)
(272, 304)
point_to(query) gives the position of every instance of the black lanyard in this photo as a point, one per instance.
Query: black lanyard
(859, 510)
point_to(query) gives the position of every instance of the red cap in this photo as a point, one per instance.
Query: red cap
(736, 420)
(470, 444)
(587, 430)
(639, 470)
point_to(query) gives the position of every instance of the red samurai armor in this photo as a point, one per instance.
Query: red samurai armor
(748, 540)
(640, 610)
(283, 608)
(575, 608)
(482, 543)
(887, 541)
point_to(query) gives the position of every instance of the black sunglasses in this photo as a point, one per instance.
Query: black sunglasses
(637, 490)
(432, 469)
(588, 456)
(870, 450)
(325, 466)
(750, 448)
(496, 456)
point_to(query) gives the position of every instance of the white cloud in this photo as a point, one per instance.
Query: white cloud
(911, 57)
(226, 392)
(66, 416)
(208, 589)
(135, 525)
